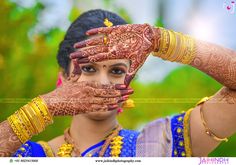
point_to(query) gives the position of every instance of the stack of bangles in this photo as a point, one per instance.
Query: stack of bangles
(30, 119)
(176, 47)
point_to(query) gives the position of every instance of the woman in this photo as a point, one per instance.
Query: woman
(95, 83)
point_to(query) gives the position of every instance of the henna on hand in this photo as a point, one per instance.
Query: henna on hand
(9, 142)
(84, 97)
(216, 61)
(134, 42)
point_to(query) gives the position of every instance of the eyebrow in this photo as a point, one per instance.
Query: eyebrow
(117, 64)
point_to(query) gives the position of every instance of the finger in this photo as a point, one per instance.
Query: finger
(103, 108)
(128, 79)
(89, 52)
(76, 71)
(107, 101)
(104, 30)
(83, 60)
(102, 57)
(96, 85)
(90, 42)
(99, 57)
(111, 93)
(135, 65)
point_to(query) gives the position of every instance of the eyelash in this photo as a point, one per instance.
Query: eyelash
(91, 69)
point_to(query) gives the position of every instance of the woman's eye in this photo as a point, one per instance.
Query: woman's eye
(88, 69)
(117, 71)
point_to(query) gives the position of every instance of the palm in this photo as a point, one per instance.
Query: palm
(134, 42)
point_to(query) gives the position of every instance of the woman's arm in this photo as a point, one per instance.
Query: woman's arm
(220, 116)
(70, 99)
(9, 142)
(220, 111)
(216, 61)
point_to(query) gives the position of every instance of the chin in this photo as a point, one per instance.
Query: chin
(99, 116)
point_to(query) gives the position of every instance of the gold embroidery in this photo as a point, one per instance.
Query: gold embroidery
(47, 149)
(187, 141)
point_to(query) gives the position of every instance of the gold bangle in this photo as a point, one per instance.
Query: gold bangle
(26, 131)
(44, 110)
(172, 46)
(190, 51)
(17, 129)
(176, 47)
(182, 48)
(14, 128)
(207, 130)
(175, 54)
(27, 122)
(30, 118)
(34, 118)
(164, 43)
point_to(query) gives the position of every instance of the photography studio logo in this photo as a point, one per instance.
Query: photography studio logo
(229, 6)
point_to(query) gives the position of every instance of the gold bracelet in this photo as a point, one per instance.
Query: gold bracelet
(190, 51)
(23, 124)
(175, 54)
(14, 128)
(30, 119)
(44, 110)
(17, 129)
(207, 130)
(172, 46)
(27, 111)
(34, 117)
(164, 44)
(28, 122)
(176, 47)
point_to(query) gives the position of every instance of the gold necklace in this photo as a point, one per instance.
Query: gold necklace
(112, 138)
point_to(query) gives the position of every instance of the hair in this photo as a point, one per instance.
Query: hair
(76, 32)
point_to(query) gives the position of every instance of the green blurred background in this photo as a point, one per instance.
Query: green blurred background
(28, 67)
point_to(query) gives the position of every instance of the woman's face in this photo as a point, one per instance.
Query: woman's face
(105, 72)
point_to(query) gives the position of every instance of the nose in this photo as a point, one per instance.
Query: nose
(104, 79)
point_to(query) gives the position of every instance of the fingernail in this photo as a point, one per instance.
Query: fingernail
(125, 97)
(120, 86)
(83, 60)
(126, 92)
(80, 44)
(128, 79)
(111, 107)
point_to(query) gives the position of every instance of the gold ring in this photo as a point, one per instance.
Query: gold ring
(105, 40)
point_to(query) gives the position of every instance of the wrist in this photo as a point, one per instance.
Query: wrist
(157, 38)
(48, 102)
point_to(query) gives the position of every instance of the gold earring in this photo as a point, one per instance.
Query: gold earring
(128, 104)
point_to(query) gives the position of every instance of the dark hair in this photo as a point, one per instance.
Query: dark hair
(76, 32)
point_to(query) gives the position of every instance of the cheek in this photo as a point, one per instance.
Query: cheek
(84, 77)
(117, 80)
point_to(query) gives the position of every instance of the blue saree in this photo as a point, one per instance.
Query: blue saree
(163, 137)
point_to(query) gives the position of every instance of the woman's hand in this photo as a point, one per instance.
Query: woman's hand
(134, 42)
(82, 97)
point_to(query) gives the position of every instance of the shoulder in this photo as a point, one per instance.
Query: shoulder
(164, 136)
(40, 148)
(30, 149)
